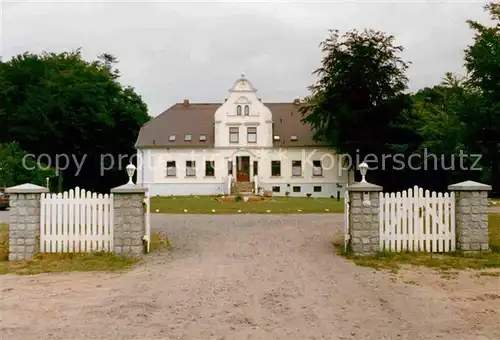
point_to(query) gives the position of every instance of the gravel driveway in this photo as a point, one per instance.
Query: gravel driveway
(250, 277)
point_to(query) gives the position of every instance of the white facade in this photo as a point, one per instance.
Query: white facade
(243, 151)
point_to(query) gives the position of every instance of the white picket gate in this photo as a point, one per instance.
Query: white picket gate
(147, 218)
(76, 221)
(346, 220)
(415, 220)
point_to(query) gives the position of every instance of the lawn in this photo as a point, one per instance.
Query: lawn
(67, 262)
(394, 261)
(274, 205)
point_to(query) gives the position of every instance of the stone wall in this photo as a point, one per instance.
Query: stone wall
(471, 223)
(129, 227)
(24, 229)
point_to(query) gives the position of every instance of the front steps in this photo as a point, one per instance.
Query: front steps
(242, 188)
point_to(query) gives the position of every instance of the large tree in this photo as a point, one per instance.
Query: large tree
(482, 60)
(16, 168)
(359, 96)
(59, 103)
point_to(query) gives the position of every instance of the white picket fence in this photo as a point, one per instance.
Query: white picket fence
(76, 221)
(415, 220)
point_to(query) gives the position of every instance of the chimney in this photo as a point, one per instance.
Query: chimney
(186, 102)
(296, 101)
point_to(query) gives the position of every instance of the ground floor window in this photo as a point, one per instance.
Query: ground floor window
(276, 188)
(255, 168)
(275, 168)
(190, 168)
(209, 168)
(229, 167)
(296, 188)
(317, 188)
(171, 169)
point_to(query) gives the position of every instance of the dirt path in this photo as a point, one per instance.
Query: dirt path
(250, 277)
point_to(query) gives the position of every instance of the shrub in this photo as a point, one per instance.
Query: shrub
(238, 198)
(308, 194)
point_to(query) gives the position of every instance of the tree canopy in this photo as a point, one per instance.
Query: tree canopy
(360, 106)
(59, 103)
(16, 169)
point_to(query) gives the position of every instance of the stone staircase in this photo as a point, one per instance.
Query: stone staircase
(242, 188)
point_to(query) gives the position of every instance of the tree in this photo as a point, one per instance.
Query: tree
(57, 104)
(482, 61)
(359, 97)
(17, 169)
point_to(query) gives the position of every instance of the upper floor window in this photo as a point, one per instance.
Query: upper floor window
(209, 168)
(247, 110)
(296, 168)
(234, 135)
(187, 137)
(317, 168)
(171, 169)
(252, 135)
(203, 138)
(275, 168)
(190, 168)
(238, 110)
(294, 138)
(171, 138)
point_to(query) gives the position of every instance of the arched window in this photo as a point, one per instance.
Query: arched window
(247, 110)
(238, 110)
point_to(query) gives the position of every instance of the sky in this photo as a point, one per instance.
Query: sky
(171, 51)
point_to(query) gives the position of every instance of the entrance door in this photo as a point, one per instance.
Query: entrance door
(243, 168)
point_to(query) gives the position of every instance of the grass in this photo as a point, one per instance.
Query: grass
(393, 261)
(274, 205)
(69, 262)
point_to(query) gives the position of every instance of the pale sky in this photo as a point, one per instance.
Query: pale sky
(169, 51)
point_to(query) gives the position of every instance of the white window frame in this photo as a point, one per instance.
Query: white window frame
(251, 134)
(278, 175)
(297, 169)
(171, 138)
(191, 170)
(317, 170)
(238, 110)
(171, 170)
(231, 134)
(203, 138)
(206, 168)
(188, 137)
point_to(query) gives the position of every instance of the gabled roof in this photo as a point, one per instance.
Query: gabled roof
(198, 119)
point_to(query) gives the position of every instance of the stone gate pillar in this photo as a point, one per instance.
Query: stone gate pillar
(364, 217)
(471, 215)
(24, 227)
(129, 224)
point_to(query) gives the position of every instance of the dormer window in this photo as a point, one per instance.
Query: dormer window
(294, 138)
(187, 137)
(238, 110)
(203, 138)
(276, 137)
(171, 138)
(247, 110)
